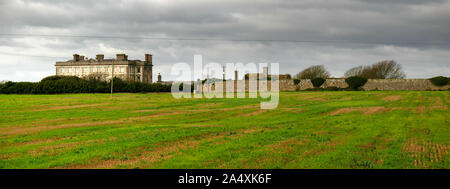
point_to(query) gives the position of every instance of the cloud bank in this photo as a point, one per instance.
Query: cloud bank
(339, 34)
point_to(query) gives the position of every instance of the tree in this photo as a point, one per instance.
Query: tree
(317, 71)
(387, 69)
(288, 76)
(356, 71)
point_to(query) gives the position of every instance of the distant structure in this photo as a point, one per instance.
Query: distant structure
(266, 75)
(134, 70)
(159, 78)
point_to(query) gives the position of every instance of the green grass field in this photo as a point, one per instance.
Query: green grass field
(377, 129)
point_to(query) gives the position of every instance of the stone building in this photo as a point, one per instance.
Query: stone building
(266, 75)
(134, 70)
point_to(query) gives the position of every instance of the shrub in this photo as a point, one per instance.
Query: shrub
(313, 72)
(355, 82)
(17, 87)
(72, 84)
(296, 81)
(387, 69)
(317, 82)
(439, 81)
(54, 78)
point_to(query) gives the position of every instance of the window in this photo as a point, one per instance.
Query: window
(77, 70)
(122, 69)
(91, 69)
(69, 70)
(138, 78)
(139, 70)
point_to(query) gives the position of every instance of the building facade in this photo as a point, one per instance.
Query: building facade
(266, 74)
(133, 70)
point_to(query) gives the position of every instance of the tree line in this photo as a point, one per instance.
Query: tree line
(356, 77)
(387, 69)
(73, 84)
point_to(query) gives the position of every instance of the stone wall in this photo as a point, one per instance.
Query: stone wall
(372, 84)
(339, 83)
(402, 84)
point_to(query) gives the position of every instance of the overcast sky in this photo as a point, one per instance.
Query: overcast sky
(339, 34)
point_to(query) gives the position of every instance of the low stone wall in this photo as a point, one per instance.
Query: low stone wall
(304, 84)
(372, 84)
(402, 84)
(339, 83)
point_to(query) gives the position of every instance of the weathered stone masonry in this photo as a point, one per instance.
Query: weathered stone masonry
(135, 70)
(372, 84)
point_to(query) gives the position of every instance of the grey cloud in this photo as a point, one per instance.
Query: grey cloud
(342, 33)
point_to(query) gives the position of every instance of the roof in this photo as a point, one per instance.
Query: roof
(103, 62)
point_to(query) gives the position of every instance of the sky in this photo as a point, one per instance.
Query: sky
(338, 34)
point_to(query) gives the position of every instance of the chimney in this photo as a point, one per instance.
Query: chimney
(76, 57)
(148, 58)
(122, 57)
(235, 75)
(81, 58)
(99, 57)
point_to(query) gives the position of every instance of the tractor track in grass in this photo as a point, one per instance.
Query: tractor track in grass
(144, 157)
(36, 129)
(425, 153)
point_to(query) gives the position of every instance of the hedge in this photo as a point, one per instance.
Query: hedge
(440, 81)
(72, 84)
(317, 82)
(355, 82)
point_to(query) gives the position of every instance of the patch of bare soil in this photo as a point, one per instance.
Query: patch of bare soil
(140, 111)
(290, 146)
(344, 110)
(293, 109)
(318, 99)
(420, 109)
(392, 98)
(56, 148)
(244, 132)
(195, 110)
(59, 148)
(254, 113)
(364, 110)
(69, 107)
(436, 103)
(346, 98)
(28, 130)
(425, 153)
(323, 148)
(150, 155)
(287, 145)
(37, 142)
(145, 156)
(372, 110)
